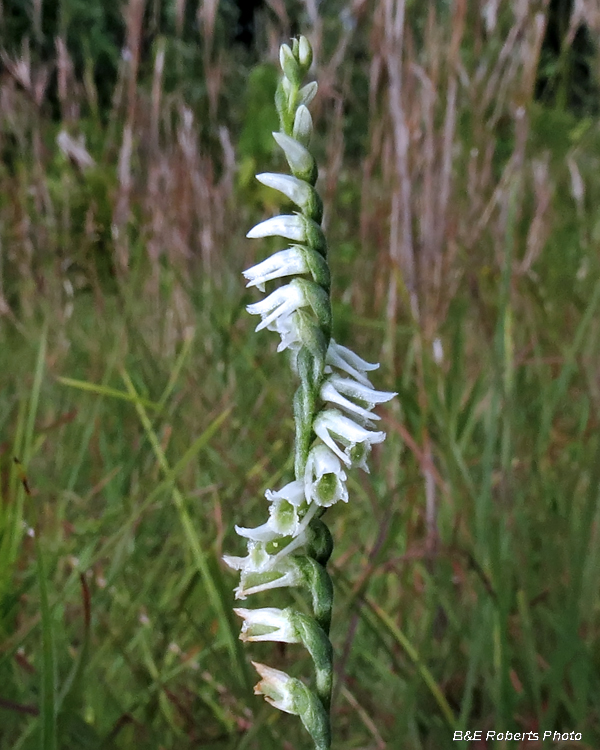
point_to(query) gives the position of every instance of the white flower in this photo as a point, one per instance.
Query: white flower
(331, 425)
(261, 571)
(293, 492)
(335, 389)
(298, 191)
(281, 302)
(292, 696)
(307, 93)
(304, 52)
(303, 126)
(290, 262)
(279, 689)
(283, 515)
(267, 565)
(299, 158)
(267, 624)
(346, 360)
(286, 326)
(291, 226)
(324, 477)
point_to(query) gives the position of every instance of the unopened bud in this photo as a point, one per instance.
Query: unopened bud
(289, 65)
(307, 93)
(305, 54)
(303, 126)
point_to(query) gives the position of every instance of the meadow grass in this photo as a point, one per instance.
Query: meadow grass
(147, 419)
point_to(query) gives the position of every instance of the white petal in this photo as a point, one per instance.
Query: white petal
(347, 361)
(307, 93)
(289, 262)
(323, 462)
(292, 492)
(291, 226)
(331, 425)
(267, 617)
(264, 533)
(288, 579)
(282, 301)
(296, 190)
(299, 158)
(331, 394)
(277, 687)
(303, 126)
(286, 327)
(304, 52)
(358, 391)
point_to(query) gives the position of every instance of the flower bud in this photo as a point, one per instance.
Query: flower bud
(298, 191)
(302, 130)
(307, 93)
(305, 54)
(301, 161)
(289, 65)
(292, 696)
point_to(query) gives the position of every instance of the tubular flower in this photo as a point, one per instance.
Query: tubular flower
(324, 478)
(333, 414)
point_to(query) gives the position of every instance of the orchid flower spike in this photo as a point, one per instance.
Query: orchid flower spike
(333, 414)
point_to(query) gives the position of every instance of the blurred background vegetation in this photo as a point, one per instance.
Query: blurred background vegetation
(459, 145)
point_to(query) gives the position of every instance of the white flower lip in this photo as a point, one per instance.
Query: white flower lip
(285, 580)
(289, 262)
(286, 327)
(290, 226)
(332, 422)
(346, 360)
(257, 620)
(322, 461)
(282, 301)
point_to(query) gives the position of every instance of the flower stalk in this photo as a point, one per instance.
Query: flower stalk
(332, 413)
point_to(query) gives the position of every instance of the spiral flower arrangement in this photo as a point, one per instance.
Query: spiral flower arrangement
(332, 412)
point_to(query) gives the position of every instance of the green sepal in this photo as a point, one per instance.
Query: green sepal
(314, 716)
(318, 583)
(304, 404)
(318, 267)
(310, 371)
(317, 643)
(320, 543)
(314, 211)
(319, 302)
(315, 342)
(286, 117)
(315, 237)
